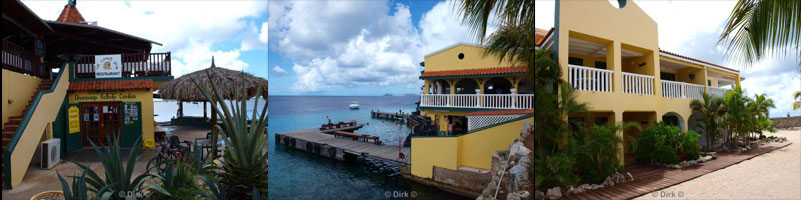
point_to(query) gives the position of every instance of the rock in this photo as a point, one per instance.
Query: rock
(742, 149)
(517, 150)
(713, 154)
(585, 187)
(554, 193)
(539, 195)
(692, 162)
(518, 195)
(618, 177)
(629, 177)
(519, 174)
(723, 149)
(609, 181)
(754, 146)
(596, 186)
(684, 163)
(675, 166)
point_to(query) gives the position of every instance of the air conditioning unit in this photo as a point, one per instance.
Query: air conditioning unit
(51, 153)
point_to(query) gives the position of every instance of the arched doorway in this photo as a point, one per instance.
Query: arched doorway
(696, 123)
(674, 119)
(442, 87)
(465, 90)
(498, 85)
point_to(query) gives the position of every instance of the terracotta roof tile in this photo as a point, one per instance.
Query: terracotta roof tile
(471, 72)
(111, 85)
(70, 14)
(685, 57)
(501, 112)
(540, 35)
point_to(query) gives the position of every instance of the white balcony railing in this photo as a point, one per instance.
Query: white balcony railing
(715, 91)
(590, 79)
(675, 89)
(638, 84)
(501, 101)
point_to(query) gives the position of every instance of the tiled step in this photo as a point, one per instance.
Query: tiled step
(8, 134)
(5, 142)
(10, 127)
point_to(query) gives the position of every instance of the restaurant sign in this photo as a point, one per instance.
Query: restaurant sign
(108, 66)
(74, 119)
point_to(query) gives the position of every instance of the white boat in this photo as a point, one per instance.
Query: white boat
(354, 105)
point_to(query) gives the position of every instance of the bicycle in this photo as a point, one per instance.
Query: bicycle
(170, 152)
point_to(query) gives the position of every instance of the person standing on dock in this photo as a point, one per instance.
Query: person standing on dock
(329, 119)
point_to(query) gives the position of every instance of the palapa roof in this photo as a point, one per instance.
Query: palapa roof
(227, 81)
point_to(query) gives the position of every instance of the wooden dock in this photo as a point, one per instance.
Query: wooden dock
(387, 115)
(314, 141)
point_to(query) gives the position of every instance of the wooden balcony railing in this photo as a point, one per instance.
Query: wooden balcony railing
(133, 65)
(18, 59)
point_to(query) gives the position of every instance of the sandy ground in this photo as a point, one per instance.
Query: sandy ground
(37, 180)
(774, 175)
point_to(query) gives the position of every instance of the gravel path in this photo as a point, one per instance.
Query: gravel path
(774, 175)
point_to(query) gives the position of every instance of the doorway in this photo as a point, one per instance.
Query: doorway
(98, 121)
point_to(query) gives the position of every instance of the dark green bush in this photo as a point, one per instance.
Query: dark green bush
(554, 170)
(596, 153)
(666, 145)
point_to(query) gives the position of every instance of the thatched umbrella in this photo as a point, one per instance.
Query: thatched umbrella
(227, 81)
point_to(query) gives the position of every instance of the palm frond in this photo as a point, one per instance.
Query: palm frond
(759, 28)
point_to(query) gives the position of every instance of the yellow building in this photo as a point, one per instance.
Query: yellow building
(473, 106)
(611, 56)
(72, 82)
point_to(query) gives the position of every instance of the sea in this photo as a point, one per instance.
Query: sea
(296, 174)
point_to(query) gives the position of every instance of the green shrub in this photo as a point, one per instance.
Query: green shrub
(666, 145)
(596, 153)
(554, 170)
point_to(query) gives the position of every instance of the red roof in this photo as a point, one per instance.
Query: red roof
(472, 72)
(111, 85)
(540, 35)
(689, 58)
(501, 112)
(70, 14)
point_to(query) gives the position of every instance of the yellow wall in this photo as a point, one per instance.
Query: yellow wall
(471, 150)
(18, 88)
(41, 118)
(142, 95)
(473, 59)
(430, 151)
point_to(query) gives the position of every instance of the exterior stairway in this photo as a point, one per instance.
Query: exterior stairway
(10, 127)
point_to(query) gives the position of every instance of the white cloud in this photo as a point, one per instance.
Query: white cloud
(264, 34)
(180, 25)
(351, 44)
(279, 71)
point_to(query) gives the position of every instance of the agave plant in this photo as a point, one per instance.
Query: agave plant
(245, 164)
(78, 190)
(119, 182)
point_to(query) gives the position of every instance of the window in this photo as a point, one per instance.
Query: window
(575, 61)
(575, 122)
(601, 120)
(709, 82)
(600, 65)
(667, 76)
(461, 56)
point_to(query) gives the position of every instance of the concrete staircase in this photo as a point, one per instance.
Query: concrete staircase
(10, 127)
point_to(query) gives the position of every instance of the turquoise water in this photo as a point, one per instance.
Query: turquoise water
(165, 110)
(296, 174)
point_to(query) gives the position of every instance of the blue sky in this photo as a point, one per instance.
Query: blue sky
(356, 47)
(234, 32)
(692, 28)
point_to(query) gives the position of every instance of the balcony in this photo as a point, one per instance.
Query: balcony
(716, 91)
(638, 84)
(488, 101)
(18, 59)
(133, 65)
(590, 79)
(673, 89)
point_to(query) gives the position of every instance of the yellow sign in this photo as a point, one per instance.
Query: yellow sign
(74, 119)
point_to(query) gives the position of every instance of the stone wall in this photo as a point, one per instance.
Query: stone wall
(787, 122)
(471, 181)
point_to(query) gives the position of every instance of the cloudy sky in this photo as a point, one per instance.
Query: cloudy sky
(692, 28)
(235, 32)
(356, 47)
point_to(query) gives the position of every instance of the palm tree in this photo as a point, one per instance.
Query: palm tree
(712, 107)
(514, 38)
(797, 104)
(762, 106)
(739, 114)
(759, 27)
